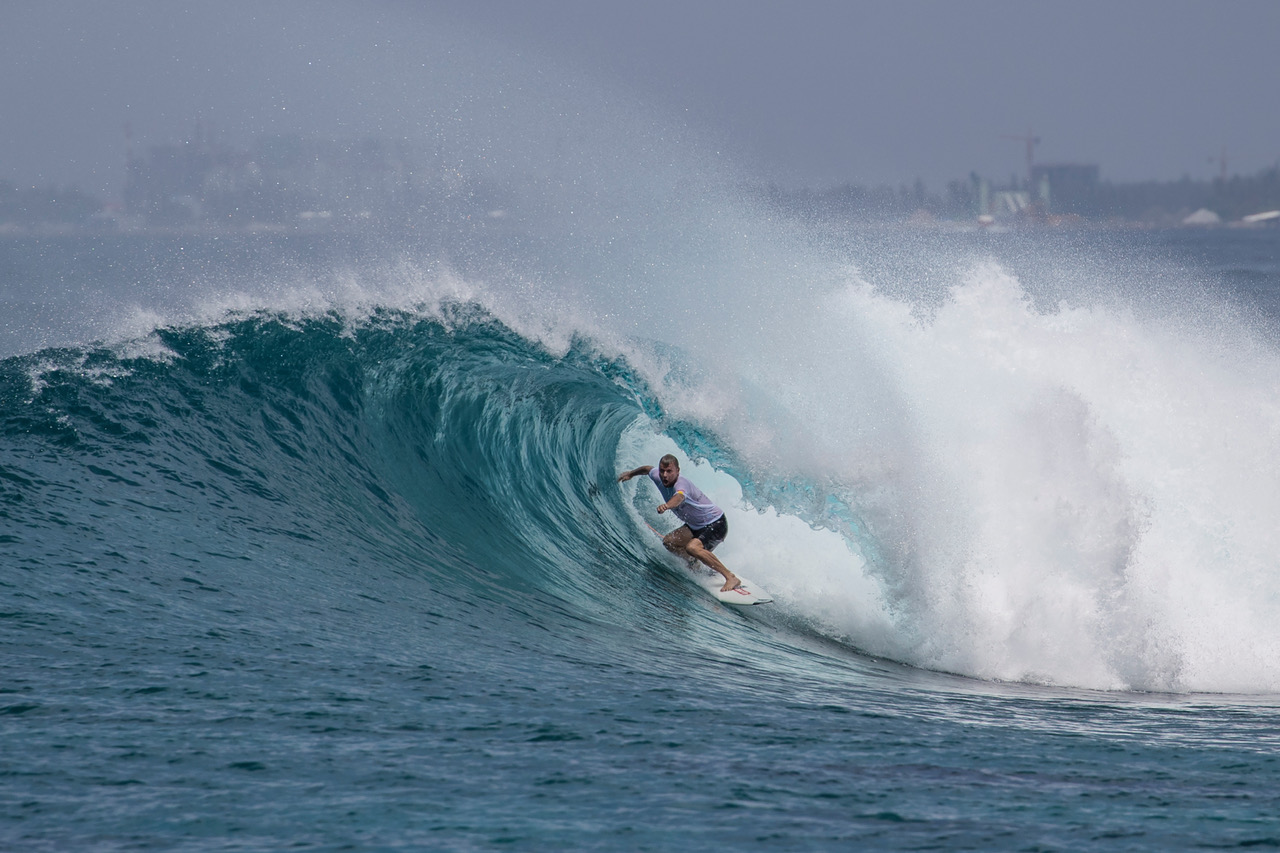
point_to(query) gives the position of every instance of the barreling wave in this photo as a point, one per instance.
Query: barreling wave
(448, 455)
(281, 459)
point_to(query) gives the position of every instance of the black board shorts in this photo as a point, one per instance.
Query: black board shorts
(713, 534)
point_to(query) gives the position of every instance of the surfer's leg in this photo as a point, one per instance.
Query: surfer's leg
(694, 549)
(677, 540)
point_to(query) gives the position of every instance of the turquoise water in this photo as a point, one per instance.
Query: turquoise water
(347, 566)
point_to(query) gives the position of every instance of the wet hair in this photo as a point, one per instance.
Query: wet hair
(671, 459)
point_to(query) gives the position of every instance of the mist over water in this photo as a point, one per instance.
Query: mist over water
(1077, 494)
(1071, 496)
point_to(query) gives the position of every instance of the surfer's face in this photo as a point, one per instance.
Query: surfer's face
(667, 473)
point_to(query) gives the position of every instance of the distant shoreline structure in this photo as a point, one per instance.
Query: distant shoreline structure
(1264, 220)
(288, 184)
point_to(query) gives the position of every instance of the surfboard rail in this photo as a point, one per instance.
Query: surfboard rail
(746, 595)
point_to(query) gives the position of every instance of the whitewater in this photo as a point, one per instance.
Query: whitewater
(317, 542)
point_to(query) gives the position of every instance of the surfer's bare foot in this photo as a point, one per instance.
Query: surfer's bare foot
(731, 583)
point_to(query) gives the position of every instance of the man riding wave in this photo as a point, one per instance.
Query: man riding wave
(705, 525)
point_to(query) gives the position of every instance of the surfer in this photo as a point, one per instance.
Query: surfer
(704, 523)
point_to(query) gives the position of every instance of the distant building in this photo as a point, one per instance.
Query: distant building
(1204, 217)
(1010, 204)
(296, 181)
(1268, 217)
(168, 186)
(1066, 187)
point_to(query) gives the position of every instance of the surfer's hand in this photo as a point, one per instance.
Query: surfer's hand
(624, 476)
(662, 508)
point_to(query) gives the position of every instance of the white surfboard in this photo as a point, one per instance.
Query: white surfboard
(747, 594)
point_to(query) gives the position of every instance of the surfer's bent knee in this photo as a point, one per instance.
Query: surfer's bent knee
(677, 540)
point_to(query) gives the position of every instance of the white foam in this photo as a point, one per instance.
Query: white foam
(1079, 496)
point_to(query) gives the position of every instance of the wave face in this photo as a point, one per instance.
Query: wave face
(448, 449)
(972, 480)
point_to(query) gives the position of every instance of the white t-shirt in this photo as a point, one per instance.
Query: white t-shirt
(697, 511)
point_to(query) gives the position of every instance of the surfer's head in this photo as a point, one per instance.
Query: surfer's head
(668, 470)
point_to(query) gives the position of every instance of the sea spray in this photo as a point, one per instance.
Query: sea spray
(1069, 493)
(1079, 495)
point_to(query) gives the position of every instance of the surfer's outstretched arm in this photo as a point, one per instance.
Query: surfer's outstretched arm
(634, 472)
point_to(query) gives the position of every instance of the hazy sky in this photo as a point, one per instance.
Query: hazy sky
(813, 92)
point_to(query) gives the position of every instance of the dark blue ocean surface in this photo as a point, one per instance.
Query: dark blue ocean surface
(357, 573)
